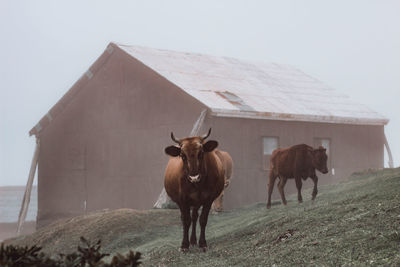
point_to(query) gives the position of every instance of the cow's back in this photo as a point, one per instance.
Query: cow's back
(227, 163)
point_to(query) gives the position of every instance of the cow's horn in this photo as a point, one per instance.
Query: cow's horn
(204, 137)
(173, 139)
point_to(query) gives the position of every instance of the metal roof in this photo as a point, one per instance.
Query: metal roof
(238, 88)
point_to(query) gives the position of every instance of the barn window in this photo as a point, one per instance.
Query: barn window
(326, 143)
(269, 145)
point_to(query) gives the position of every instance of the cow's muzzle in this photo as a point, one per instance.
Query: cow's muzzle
(325, 171)
(194, 179)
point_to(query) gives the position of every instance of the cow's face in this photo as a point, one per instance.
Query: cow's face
(192, 150)
(320, 159)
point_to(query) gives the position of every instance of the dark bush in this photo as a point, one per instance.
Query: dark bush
(131, 259)
(88, 255)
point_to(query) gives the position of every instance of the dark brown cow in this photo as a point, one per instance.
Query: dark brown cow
(227, 163)
(298, 162)
(194, 178)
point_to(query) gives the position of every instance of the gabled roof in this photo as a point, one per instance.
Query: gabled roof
(237, 88)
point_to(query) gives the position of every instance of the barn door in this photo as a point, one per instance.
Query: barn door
(75, 167)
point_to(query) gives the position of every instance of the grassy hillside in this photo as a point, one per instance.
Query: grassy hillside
(351, 223)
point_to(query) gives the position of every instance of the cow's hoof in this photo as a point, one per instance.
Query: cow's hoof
(193, 243)
(268, 206)
(300, 201)
(204, 249)
(184, 250)
(203, 244)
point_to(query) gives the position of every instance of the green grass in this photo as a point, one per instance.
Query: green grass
(356, 222)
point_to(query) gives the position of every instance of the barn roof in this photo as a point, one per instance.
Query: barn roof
(238, 88)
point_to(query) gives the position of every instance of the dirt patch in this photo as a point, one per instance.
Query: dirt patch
(283, 237)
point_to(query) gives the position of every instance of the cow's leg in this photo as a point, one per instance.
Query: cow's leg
(299, 184)
(195, 215)
(315, 190)
(271, 184)
(203, 222)
(185, 216)
(281, 185)
(217, 204)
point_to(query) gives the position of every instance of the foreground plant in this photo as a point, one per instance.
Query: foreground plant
(87, 255)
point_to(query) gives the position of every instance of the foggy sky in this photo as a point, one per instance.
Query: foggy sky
(352, 46)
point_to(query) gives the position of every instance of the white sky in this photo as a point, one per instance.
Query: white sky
(45, 46)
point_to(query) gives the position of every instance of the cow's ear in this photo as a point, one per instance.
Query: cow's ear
(210, 146)
(173, 151)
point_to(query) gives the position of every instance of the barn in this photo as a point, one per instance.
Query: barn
(101, 145)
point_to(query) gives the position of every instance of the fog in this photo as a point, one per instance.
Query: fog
(352, 46)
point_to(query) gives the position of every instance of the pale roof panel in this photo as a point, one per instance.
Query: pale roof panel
(232, 87)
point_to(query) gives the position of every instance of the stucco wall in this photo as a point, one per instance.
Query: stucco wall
(106, 149)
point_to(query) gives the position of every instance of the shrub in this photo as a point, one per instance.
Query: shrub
(87, 255)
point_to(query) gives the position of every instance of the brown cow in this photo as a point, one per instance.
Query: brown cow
(298, 162)
(227, 164)
(194, 178)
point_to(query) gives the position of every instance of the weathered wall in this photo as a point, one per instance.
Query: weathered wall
(352, 148)
(106, 149)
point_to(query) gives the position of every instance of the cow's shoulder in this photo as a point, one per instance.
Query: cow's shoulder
(279, 151)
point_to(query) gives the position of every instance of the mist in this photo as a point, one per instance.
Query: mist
(46, 46)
